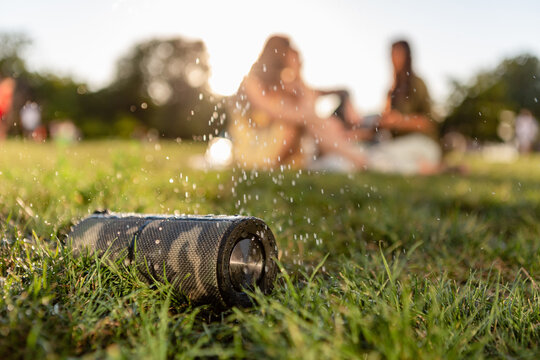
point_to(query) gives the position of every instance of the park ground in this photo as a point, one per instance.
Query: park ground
(372, 266)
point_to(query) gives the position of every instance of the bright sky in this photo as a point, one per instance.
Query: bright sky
(343, 43)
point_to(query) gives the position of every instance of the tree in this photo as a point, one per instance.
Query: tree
(475, 109)
(159, 84)
(164, 85)
(12, 46)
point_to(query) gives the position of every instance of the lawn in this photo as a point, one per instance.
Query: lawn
(372, 266)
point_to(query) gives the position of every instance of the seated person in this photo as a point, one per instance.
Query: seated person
(406, 117)
(273, 110)
(408, 105)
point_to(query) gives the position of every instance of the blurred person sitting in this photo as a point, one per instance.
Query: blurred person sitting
(274, 110)
(408, 104)
(407, 118)
(7, 88)
(526, 131)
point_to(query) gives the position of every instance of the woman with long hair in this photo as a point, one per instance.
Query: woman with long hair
(274, 108)
(407, 116)
(408, 105)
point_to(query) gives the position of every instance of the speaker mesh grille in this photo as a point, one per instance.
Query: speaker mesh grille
(186, 252)
(190, 252)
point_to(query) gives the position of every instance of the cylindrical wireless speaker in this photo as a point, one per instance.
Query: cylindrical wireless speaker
(209, 259)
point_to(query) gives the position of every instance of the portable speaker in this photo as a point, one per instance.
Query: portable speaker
(209, 259)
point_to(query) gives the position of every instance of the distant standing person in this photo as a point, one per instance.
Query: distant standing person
(30, 117)
(7, 87)
(526, 131)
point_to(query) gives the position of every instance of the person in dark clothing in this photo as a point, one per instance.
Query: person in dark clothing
(408, 105)
(413, 148)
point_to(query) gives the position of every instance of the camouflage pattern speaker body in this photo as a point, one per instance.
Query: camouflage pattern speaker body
(209, 259)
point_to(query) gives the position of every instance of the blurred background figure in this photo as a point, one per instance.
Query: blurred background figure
(7, 88)
(408, 105)
(274, 115)
(410, 145)
(64, 132)
(31, 121)
(526, 131)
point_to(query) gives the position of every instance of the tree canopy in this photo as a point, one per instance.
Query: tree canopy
(475, 109)
(160, 84)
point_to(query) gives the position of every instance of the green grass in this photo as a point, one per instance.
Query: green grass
(417, 268)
